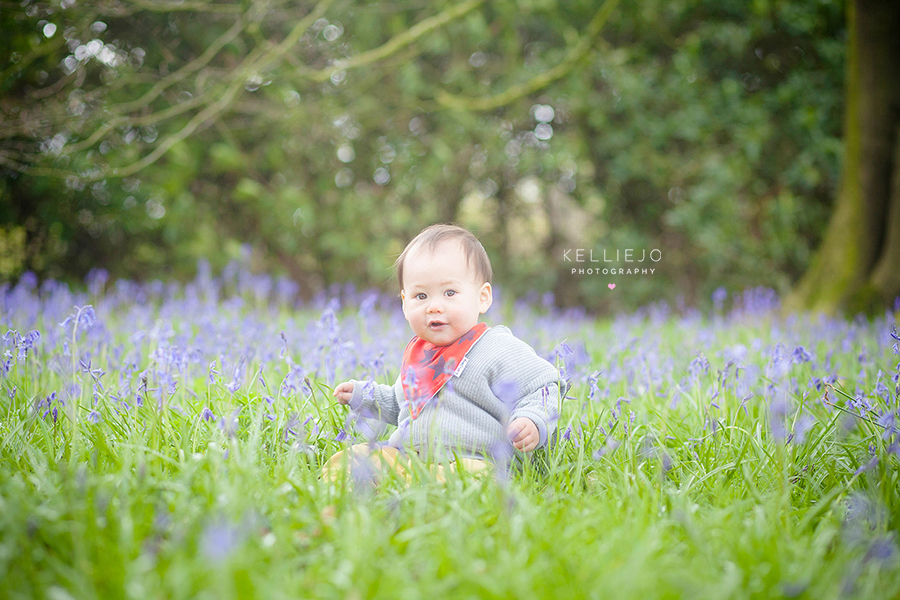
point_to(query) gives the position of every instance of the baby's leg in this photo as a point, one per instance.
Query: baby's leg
(364, 463)
(467, 465)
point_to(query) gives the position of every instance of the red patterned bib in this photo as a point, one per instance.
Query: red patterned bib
(426, 367)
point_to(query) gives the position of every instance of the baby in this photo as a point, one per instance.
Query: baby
(463, 387)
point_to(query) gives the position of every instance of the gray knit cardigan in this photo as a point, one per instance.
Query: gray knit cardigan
(502, 380)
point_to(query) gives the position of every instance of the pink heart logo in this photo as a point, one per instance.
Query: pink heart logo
(611, 286)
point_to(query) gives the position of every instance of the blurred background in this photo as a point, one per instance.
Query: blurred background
(314, 139)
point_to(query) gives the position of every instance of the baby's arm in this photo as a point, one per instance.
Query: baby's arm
(371, 399)
(534, 412)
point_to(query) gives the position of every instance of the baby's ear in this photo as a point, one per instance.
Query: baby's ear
(485, 297)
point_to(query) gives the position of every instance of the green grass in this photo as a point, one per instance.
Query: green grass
(695, 500)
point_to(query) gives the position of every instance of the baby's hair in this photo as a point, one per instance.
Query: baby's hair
(434, 235)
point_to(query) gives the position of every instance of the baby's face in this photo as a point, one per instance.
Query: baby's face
(442, 295)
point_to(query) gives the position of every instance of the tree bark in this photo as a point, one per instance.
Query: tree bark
(857, 269)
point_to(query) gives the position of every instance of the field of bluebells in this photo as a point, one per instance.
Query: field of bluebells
(164, 441)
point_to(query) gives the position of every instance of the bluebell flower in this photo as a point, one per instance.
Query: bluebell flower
(502, 453)
(699, 366)
(507, 391)
(801, 355)
(219, 540)
(291, 426)
(363, 474)
(871, 464)
(608, 448)
(778, 411)
(888, 421)
(882, 549)
(802, 426)
(592, 384)
(719, 296)
(230, 424)
(284, 347)
(237, 378)
(96, 280)
(315, 426)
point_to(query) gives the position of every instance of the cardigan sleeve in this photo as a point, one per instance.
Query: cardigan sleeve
(377, 400)
(530, 383)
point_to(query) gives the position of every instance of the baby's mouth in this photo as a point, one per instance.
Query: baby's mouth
(436, 324)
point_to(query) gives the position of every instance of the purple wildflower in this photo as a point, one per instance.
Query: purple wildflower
(873, 462)
(237, 378)
(230, 424)
(290, 428)
(507, 392)
(363, 474)
(778, 410)
(502, 454)
(315, 425)
(592, 384)
(719, 296)
(219, 540)
(96, 280)
(804, 424)
(801, 355)
(698, 366)
(608, 448)
(882, 549)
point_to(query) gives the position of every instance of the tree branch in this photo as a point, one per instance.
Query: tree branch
(250, 65)
(195, 65)
(161, 85)
(41, 50)
(207, 7)
(255, 63)
(204, 116)
(398, 42)
(540, 81)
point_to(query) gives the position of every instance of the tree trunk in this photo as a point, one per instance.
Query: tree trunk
(858, 266)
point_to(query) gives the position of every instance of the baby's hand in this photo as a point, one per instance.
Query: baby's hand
(343, 392)
(523, 434)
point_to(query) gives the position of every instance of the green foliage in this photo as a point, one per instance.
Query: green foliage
(708, 130)
(651, 491)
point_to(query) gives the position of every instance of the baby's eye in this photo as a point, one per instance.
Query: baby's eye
(450, 293)
(420, 296)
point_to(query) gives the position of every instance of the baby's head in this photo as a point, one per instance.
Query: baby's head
(434, 236)
(445, 283)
